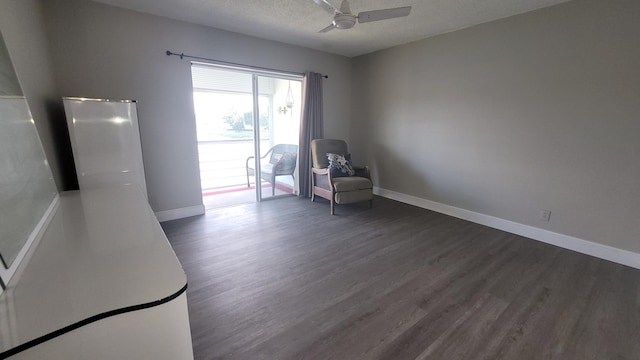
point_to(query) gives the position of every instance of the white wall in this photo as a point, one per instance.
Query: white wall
(107, 52)
(286, 126)
(537, 111)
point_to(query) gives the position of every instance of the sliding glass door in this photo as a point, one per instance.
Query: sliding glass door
(247, 127)
(279, 124)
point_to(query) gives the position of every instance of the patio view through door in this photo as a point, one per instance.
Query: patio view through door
(226, 101)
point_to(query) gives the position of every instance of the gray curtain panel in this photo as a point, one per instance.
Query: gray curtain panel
(311, 127)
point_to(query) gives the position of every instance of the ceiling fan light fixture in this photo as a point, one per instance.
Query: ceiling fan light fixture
(344, 21)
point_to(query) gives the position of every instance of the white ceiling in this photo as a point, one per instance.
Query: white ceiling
(297, 22)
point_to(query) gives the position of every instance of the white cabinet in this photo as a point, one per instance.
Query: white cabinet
(103, 283)
(105, 139)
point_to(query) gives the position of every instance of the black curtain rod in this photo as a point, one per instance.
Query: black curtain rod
(183, 55)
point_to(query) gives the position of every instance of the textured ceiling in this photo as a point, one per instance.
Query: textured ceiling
(298, 21)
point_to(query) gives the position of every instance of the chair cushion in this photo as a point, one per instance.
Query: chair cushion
(351, 183)
(353, 196)
(340, 165)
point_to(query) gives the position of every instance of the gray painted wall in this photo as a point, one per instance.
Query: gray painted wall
(22, 26)
(537, 111)
(107, 52)
(9, 85)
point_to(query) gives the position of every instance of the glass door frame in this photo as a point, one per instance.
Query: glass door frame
(256, 73)
(256, 77)
(256, 138)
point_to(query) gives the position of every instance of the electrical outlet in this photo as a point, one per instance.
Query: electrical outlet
(545, 215)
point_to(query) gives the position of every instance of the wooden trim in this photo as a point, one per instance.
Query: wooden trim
(324, 193)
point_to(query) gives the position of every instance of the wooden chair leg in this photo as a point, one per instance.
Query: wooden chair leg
(333, 206)
(313, 185)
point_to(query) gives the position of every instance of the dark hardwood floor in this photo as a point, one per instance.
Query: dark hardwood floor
(285, 280)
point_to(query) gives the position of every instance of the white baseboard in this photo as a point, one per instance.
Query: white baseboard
(598, 250)
(180, 213)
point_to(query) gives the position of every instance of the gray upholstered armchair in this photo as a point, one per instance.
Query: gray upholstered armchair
(342, 189)
(282, 161)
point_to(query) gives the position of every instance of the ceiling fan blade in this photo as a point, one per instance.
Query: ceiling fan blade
(375, 15)
(344, 7)
(327, 6)
(327, 29)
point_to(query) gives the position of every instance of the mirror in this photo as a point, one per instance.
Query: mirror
(27, 188)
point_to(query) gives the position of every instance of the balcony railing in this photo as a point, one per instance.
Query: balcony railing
(223, 162)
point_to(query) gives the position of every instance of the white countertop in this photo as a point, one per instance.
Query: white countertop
(104, 250)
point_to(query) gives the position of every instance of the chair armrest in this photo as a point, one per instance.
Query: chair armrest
(266, 154)
(321, 171)
(318, 171)
(362, 171)
(249, 158)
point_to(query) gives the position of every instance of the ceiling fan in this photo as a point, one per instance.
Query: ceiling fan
(344, 19)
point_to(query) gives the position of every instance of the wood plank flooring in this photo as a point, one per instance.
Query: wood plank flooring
(285, 280)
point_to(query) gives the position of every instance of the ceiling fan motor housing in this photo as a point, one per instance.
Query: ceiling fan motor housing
(344, 21)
